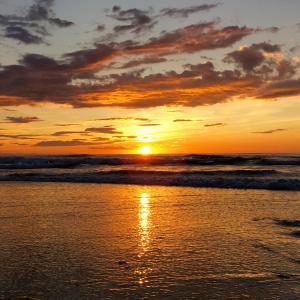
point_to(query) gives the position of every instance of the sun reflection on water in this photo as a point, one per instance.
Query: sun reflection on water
(144, 214)
(144, 233)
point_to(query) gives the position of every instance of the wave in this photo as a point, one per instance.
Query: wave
(239, 179)
(73, 161)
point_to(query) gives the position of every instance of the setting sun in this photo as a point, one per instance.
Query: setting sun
(146, 150)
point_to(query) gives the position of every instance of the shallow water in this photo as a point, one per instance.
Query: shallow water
(91, 241)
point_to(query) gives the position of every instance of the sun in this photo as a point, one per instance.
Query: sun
(146, 150)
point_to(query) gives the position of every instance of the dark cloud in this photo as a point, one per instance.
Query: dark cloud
(101, 139)
(271, 131)
(23, 35)
(75, 79)
(30, 27)
(22, 120)
(72, 143)
(141, 119)
(214, 125)
(273, 29)
(21, 136)
(64, 133)
(295, 48)
(105, 129)
(284, 88)
(193, 38)
(250, 57)
(100, 28)
(136, 20)
(185, 12)
(110, 147)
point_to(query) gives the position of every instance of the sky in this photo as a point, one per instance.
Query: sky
(107, 77)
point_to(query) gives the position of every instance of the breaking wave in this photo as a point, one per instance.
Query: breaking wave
(281, 172)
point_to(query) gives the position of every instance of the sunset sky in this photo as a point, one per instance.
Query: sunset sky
(149, 76)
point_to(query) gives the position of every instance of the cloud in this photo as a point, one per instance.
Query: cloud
(20, 144)
(175, 111)
(149, 124)
(66, 124)
(22, 120)
(250, 57)
(23, 35)
(143, 61)
(123, 119)
(137, 20)
(21, 136)
(182, 120)
(185, 12)
(64, 133)
(8, 109)
(126, 136)
(214, 125)
(29, 28)
(283, 88)
(271, 131)
(193, 38)
(100, 28)
(72, 143)
(105, 129)
(76, 79)
(110, 147)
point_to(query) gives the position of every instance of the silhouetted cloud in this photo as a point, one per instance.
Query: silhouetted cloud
(64, 133)
(75, 80)
(250, 57)
(149, 124)
(23, 35)
(22, 120)
(185, 12)
(100, 28)
(284, 88)
(71, 143)
(29, 28)
(214, 125)
(137, 20)
(192, 38)
(21, 136)
(105, 129)
(271, 131)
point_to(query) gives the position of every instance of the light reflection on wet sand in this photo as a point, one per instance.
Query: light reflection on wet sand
(144, 233)
(89, 241)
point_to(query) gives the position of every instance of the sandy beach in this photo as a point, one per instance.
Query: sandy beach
(95, 241)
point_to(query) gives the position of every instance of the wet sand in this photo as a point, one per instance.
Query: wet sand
(95, 241)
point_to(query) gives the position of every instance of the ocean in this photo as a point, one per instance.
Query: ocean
(281, 172)
(159, 227)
